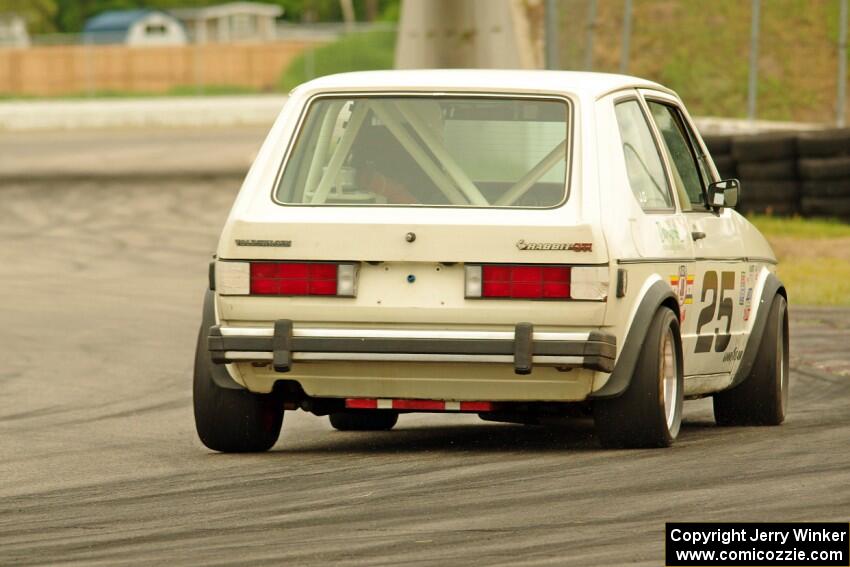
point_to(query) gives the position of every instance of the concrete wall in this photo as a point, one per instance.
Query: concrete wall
(159, 112)
(232, 110)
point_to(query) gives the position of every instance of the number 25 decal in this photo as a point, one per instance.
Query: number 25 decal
(724, 307)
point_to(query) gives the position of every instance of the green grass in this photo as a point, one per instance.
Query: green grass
(813, 281)
(211, 90)
(814, 257)
(800, 228)
(701, 49)
(356, 52)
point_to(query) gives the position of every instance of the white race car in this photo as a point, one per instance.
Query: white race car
(516, 244)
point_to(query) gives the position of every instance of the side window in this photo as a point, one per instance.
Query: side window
(643, 163)
(689, 174)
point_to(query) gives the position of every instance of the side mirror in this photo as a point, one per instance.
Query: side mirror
(724, 193)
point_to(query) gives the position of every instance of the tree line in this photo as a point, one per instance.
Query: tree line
(69, 16)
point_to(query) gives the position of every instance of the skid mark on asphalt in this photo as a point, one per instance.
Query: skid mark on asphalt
(101, 464)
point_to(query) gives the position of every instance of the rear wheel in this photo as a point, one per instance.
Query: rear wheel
(762, 398)
(649, 412)
(364, 420)
(232, 421)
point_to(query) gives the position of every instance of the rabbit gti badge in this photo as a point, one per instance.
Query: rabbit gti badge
(571, 246)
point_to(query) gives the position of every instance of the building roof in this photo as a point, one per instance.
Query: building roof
(580, 83)
(116, 20)
(230, 8)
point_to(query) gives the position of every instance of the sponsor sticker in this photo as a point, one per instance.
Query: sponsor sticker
(743, 291)
(668, 233)
(683, 286)
(748, 298)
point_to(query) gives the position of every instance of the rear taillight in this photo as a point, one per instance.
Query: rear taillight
(302, 278)
(524, 281)
(286, 278)
(518, 281)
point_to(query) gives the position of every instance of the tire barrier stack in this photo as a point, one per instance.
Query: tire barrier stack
(825, 169)
(788, 173)
(767, 167)
(720, 148)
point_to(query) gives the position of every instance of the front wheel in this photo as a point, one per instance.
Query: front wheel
(649, 412)
(762, 398)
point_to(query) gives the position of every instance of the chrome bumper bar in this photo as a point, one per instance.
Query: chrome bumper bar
(523, 347)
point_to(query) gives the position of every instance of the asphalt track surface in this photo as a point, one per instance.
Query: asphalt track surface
(129, 153)
(102, 285)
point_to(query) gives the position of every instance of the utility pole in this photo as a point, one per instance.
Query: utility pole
(495, 34)
(842, 65)
(347, 8)
(552, 41)
(625, 47)
(754, 60)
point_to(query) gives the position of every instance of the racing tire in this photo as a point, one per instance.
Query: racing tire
(830, 188)
(825, 168)
(364, 420)
(837, 207)
(718, 144)
(231, 420)
(649, 412)
(769, 208)
(774, 191)
(824, 143)
(726, 166)
(767, 170)
(764, 147)
(762, 398)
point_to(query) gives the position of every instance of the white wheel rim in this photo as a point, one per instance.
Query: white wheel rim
(669, 378)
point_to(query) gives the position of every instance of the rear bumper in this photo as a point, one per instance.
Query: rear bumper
(523, 348)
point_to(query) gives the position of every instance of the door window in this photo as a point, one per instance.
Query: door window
(643, 162)
(689, 174)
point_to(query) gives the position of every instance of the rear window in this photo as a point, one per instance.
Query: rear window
(435, 151)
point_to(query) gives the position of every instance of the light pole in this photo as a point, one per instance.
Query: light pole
(627, 37)
(591, 29)
(754, 60)
(842, 65)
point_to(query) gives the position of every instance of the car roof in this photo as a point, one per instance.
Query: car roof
(576, 82)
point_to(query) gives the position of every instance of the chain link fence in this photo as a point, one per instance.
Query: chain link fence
(767, 59)
(787, 64)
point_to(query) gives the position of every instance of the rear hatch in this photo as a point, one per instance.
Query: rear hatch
(413, 271)
(422, 195)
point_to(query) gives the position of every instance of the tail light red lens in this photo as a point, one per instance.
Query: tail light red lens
(518, 281)
(295, 278)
